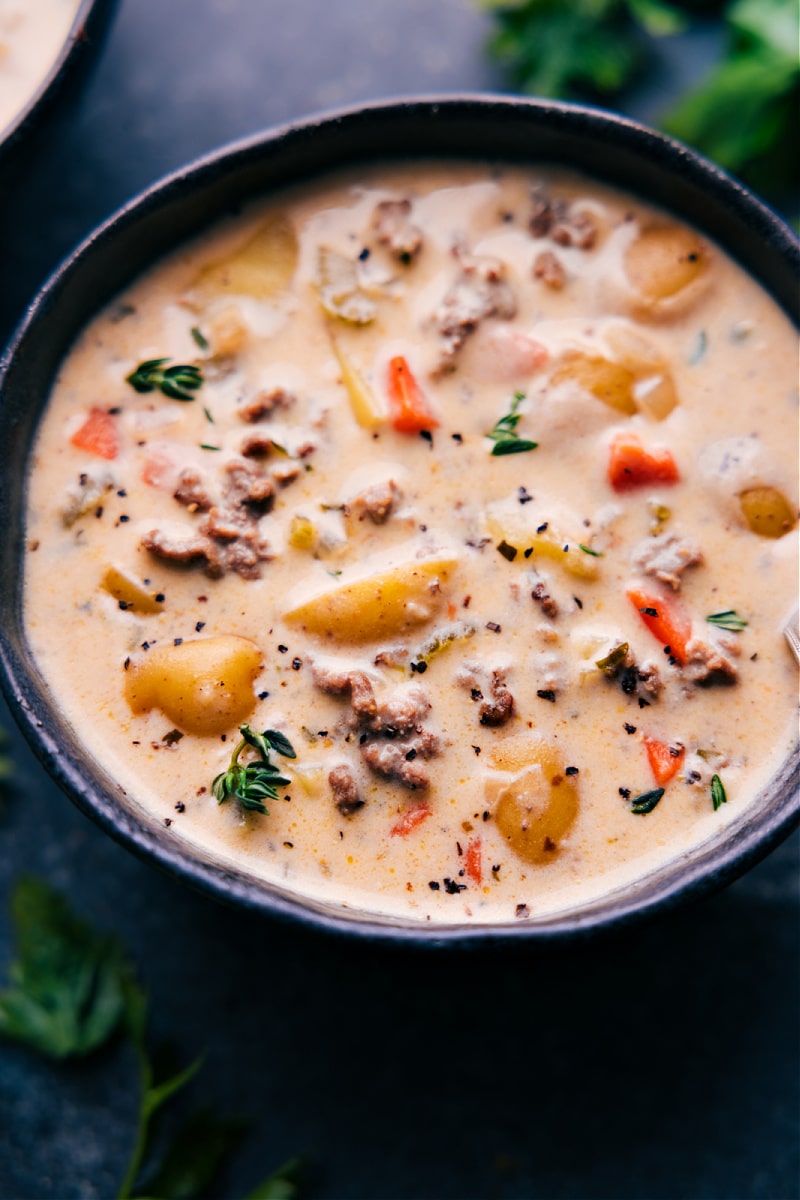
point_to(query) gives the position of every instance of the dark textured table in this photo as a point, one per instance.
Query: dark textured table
(661, 1063)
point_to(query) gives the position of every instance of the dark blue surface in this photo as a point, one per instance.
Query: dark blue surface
(662, 1063)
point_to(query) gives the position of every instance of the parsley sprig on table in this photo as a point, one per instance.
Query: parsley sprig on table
(71, 991)
(504, 434)
(552, 48)
(745, 115)
(253, 783)
(177, 382)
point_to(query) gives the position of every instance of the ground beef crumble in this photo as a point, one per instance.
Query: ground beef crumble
(666, 556)
(346, 795)
(479, 291)
(392, 737)
(228, 537)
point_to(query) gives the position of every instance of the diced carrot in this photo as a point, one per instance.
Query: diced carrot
(408, 408)
(472, 860)
(410, 819)
(98, 434)
(665, 760)
(631, 466)
(666, 619)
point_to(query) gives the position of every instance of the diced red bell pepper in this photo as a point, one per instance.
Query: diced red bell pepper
(98, 434)
(631, 466)
(409, 411)
(666, 618)
(473, 867)
(410, 819)
(665, 760)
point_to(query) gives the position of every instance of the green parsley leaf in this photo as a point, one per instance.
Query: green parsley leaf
(718, 795)
(656, 18)
(745, 114)
(194, 1156)
(280, 1185)
(176, 382)
(67, 983)
(552, 48)
(589, 550)
(729, 620)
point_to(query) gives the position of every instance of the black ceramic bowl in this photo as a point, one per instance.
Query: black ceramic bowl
(612, 149)
(23, 134)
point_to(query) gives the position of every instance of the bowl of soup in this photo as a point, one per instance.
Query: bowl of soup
(45, 48)
(408, 518)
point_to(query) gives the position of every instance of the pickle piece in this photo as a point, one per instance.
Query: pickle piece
(767, 511)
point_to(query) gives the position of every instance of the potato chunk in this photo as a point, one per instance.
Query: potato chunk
(536, 807)
(128, 593)
(767, 511)
(380, 606)
(204, 686)
(521, 534)
(261, 268)
(637, 381)
(667, 266)
(611, 382)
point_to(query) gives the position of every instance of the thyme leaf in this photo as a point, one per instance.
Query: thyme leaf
(729, 619)
(718, 794)
(646, 802)
(198, 338)
(589, 550)
(254, 782)
(176, 382)
(504, 432)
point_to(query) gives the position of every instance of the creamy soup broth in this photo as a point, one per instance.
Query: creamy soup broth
(467, 456)
(32, 33)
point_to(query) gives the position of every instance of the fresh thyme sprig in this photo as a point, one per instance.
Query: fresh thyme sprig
(504, 434)
(177, 382)
(729, 619)
(254, 782)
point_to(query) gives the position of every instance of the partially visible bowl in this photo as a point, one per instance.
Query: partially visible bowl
(612, 149)
(48, 93)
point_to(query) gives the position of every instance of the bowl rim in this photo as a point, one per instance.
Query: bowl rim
(713, 864)
(86, 29)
